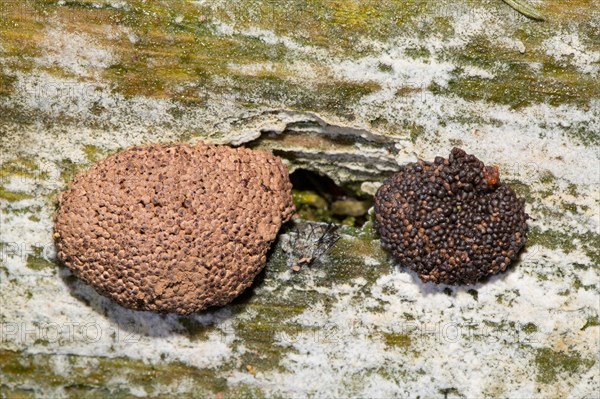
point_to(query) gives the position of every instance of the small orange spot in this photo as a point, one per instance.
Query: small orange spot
(491, 174)
(251, 369)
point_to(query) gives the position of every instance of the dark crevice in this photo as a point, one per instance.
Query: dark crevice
(323, 185)
(317, 197)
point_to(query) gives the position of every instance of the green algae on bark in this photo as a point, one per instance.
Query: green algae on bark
(553, 364)
(38, 263)
(176, 50)
(13, 196)
(91, 377)
(588, 242)
(400, 340)
(177, 70)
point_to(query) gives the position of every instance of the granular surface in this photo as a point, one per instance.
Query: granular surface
(452, 221)
(173, 228)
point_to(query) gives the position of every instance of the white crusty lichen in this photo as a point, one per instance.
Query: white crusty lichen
(515, 92)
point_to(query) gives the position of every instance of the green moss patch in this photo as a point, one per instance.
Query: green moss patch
(93, 153)
(552, 365)
(515, 82)
(24, 167)
(13, 196)
(6, 84)
(552, 239)
(569, 207)
(348, 260)
(38, 263)
(529, 328)
(588, 242)
(397, 340)
(311, 206)
(20, 370)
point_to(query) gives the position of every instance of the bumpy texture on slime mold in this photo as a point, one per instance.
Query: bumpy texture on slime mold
(173, 228)
(451, 221)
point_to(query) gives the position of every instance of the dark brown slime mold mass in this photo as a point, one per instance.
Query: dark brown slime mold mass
(173, 228)
(451, 221)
